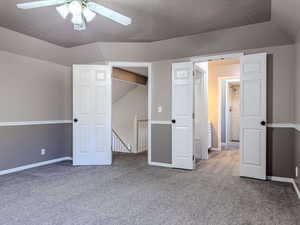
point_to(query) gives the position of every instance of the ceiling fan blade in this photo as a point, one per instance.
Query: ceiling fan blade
(37, 4)
(113, 15)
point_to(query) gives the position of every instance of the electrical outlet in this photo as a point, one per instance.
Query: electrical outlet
(43, 151)
(297, 172)
(159, 109)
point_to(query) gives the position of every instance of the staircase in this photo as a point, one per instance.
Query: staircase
(140, 143)
(118, 145)
(142, 136)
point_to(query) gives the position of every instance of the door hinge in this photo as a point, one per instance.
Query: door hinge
(193, 116)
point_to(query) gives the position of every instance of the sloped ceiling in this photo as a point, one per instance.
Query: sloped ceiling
(226, 40)
(285, 14)
(120, 88)
(153, 20)
(281, 30)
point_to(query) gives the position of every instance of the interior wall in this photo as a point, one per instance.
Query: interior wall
(33, 90)
(297, 110)
(215, 71)
(280, 83)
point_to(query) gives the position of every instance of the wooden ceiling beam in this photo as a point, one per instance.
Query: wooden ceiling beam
(125, 75)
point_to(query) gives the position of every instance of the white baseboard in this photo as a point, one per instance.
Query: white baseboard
(215, 149)
(160, 164)
(286, 180)
(296, 188)
(44, 163)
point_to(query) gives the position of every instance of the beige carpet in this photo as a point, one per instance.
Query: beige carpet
(132, 193)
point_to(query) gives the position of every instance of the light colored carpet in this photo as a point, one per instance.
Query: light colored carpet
(132, 193)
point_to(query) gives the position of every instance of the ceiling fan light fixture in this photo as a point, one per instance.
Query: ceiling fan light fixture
(88, 15)
(77, 19)
(80, 27)
(83, 11)
(75, 7)
(63, 11)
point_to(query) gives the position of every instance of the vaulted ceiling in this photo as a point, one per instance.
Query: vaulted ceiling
(152, 20)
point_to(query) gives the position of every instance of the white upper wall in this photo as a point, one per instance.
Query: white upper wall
(33, 90)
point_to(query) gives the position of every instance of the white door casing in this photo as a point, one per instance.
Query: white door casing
(201, 111)
(253, 116)
(182, 113)
(92, 110)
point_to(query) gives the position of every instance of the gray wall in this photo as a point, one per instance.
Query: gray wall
(33, 90)
(297, 108)
(161, 143)
(280, 152)
(297, 153)
(21, 145)
(281, 73)
(44, 89)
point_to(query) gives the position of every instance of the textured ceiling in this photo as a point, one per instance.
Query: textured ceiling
(152, 20)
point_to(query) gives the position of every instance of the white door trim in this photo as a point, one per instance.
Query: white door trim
(208, 58)
(33, 165)
(220, 79)
(161, 122)
(281, 125)
(28, 123)
(149, 66)
(286, 180)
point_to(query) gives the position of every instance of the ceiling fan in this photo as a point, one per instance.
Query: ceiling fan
(83, 11)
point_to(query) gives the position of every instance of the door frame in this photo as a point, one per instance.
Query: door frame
(228, 79)
(149, 66)
(209, 58)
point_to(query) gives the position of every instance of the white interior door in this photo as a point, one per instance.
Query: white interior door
(182, 115)
(234, 110)
(253, 116)
(201, 113)
(92, 115)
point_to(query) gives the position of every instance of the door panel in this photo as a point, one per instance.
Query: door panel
(92, 109)
(235, 113)
(182, 113)
(253, 112)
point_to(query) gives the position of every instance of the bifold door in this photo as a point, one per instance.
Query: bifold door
(91, 115)
(182, 115)
(253, 116)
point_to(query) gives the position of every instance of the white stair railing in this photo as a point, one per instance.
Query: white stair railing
(142, 136)
(118, 145)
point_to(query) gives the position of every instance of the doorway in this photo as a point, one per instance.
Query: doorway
(129, 112)
(247, 127)
(229, 113)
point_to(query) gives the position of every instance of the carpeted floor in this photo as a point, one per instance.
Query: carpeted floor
(132, 193)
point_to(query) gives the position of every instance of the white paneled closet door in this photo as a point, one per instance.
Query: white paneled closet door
(92, 115)
(182, 116)
(253, 116)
